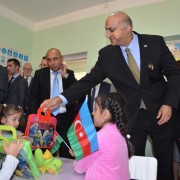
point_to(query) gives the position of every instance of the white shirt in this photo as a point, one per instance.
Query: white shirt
(28, 79)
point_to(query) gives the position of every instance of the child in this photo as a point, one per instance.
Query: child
(111, 161)
(11, 115)
(11, 162)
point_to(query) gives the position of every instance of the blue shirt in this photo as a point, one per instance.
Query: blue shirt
(134, 49)
(15, 76)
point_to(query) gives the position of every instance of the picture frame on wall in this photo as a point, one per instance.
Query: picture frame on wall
(173, 43)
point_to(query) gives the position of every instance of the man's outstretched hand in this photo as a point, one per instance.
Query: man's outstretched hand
(51, 103)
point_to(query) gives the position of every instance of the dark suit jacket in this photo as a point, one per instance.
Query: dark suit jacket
(104, 87)
(153, 89)
(3, 83)
(29, 88)
(28, 96)
(17, 92)
(41, 87)
(40, 91)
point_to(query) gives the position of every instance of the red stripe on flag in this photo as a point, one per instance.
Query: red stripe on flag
(81, 136)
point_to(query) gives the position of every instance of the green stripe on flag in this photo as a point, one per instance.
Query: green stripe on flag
(57, 144)
(75, 145)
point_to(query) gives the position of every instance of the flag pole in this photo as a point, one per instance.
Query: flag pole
(65, 143)
(86, 98)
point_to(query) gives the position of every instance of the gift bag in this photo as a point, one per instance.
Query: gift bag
(40, 129)
(27, 168)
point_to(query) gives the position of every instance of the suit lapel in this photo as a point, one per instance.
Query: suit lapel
(14, 82)
(122, 62)
(144, 58)
(47, 82)
(63, 84)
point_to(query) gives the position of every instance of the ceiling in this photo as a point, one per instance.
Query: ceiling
(40, 14)
(40, 10)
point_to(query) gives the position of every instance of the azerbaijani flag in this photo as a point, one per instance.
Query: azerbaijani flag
(82, 134)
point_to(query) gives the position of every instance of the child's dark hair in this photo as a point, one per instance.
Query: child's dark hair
(116, 105)
(9, 109)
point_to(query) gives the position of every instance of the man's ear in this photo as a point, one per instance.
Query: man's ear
(3, 120)
(128, 28)
(62, 58)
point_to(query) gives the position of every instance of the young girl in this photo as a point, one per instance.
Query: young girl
(10, 115)
(111, 161)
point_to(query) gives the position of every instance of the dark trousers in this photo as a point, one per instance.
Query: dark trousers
(162, 140)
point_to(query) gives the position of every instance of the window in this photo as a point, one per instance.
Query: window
(78, 63)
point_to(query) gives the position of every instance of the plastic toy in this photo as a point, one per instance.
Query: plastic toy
(27, 168)
(46, 162)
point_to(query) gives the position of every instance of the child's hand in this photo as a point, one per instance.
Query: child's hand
(71, 152)
(21, 136)
(14, 147)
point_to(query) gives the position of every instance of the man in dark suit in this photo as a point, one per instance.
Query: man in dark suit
(3, 83)
(153, 60)
(42, 88)
(176, 163)
(27, 70)
(17, 86)
(98, 89)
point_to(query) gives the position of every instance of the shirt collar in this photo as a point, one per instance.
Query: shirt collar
(16, 75)
(53, 71)
(132, 44)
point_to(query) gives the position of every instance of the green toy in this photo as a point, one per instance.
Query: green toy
(46, 162)
(27, 168)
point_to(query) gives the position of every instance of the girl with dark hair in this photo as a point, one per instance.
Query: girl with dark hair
(112, 159)
(11, 115)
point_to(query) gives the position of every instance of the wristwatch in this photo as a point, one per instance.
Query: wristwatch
(66, 76)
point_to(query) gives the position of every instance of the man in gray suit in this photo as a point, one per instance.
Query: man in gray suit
(3, 84)
(17, 85)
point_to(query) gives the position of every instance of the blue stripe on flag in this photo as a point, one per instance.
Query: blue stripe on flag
(88, 125)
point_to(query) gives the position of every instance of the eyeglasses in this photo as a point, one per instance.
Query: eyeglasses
(28, 69)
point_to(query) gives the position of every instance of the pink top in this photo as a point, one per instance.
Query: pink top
(111, 161)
